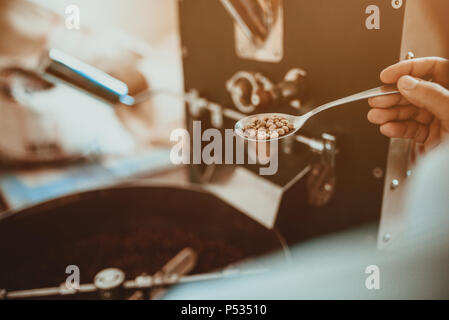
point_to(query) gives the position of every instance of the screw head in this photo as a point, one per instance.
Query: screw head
(394, 184)
(410, 55)
(109, 279)
(396, 4)
(378, 173)
(386, 237)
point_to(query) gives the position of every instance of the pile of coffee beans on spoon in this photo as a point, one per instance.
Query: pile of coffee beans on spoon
(267, 128)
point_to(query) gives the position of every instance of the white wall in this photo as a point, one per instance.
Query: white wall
(150, 20)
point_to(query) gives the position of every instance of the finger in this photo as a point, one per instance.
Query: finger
(387, 101)
(399, 113)
(437, 68)
(434, 137)
(405, 129)
(428, 95)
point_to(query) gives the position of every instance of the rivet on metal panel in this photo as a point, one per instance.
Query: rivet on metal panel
(410, 55)
(378, 173)
(394, 184)
(396, 4)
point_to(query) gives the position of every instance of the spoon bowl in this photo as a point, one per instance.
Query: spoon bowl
(239, 127)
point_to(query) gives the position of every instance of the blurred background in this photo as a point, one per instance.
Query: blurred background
(40, 131)
(157, 23)
(60, 136)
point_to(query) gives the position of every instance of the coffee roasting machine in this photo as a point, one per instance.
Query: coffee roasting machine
(240, 57)
(249, 57)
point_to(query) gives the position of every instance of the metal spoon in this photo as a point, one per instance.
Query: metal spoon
(299, 121)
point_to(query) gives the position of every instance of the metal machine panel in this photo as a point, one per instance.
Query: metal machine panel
(332, 42)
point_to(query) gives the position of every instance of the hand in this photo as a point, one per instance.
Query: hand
(421, 110)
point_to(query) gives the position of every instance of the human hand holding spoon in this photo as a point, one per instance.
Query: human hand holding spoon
(294, 123)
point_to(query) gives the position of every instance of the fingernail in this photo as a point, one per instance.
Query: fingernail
(407, 83)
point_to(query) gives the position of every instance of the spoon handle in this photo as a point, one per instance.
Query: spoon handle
(380, 91)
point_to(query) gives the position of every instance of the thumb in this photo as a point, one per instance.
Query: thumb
(428, 95)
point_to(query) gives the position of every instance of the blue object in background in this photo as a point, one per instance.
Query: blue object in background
(19, 194)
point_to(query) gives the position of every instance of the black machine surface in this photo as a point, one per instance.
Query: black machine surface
(332, 42)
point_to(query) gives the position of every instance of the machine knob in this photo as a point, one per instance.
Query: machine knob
(109, 283)
(252, 90)
(292, 89)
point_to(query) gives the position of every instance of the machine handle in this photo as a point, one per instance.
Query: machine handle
(84, 76)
